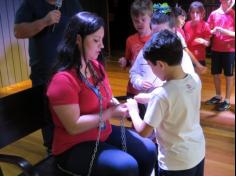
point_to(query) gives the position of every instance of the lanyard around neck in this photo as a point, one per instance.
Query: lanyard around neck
(95, 89)
(102, 124)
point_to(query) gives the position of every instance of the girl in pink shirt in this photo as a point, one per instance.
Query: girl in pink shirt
(197, 32)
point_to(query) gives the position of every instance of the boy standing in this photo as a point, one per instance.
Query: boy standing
(141, 12)
(173, 110)
(222, 23)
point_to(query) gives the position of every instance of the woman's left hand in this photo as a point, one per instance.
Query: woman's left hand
(119, 110)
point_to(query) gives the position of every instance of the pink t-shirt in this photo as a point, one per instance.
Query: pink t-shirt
(134, 44)
(66, 88)
(221, 42)
(199, 30)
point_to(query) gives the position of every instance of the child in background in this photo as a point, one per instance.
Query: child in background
(141, 12)
(180, 17)
(197, 32)
(173, 110)
(222, 24)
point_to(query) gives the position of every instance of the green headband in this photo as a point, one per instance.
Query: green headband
(161, 8)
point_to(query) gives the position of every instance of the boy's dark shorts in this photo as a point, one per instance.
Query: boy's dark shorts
(222, 61)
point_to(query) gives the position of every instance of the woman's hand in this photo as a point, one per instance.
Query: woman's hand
(117, 111)
(114, 102)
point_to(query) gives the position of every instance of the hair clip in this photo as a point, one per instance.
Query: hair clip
(161, 8)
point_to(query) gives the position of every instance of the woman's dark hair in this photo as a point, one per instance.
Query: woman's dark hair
(164, 46)
(69, 55)
(163, 15)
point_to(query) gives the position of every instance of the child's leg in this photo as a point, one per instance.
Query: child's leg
(216, 69)
(228, 60)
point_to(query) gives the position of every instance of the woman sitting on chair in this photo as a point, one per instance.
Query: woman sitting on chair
(81, 104)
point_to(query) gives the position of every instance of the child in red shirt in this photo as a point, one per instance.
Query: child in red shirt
(141, 12)
(181, 16)
(222, 23)
(197, 32)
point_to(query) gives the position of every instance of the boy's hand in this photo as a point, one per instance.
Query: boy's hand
(123, 62)
(132, 106)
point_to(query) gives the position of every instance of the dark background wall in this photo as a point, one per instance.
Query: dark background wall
(14, 65)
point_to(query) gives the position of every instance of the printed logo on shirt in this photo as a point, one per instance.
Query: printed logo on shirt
(189, 87)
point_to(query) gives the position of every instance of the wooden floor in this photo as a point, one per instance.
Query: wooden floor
(219, 128)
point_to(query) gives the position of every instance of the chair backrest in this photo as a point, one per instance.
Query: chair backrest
(21, 114)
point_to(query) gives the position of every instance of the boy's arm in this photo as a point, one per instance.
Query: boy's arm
(143, 98)
(135, 73)
(140, 126)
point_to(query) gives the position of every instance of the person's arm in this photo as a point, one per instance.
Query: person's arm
(143, 98)
(75, 123)
(140, 126)
(30, 29)
(202, 41)
(223, 31)
(199, 67)
(135, 74)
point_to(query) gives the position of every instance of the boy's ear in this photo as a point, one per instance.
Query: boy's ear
(161, 64)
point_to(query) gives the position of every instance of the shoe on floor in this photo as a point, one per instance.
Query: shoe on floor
(213, 100)
(223, 106)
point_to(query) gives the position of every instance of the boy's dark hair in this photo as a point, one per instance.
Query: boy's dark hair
(178, 11)
(164, 46)
(197, 5)
(161, 16)
(141, 7)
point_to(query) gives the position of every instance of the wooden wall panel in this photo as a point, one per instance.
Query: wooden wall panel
(14, 59)
(13, 53)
